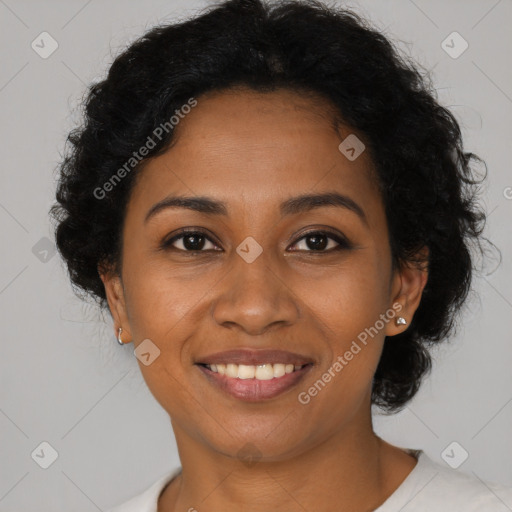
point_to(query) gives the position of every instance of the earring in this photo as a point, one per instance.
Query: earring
(401, 321)
(119, 340)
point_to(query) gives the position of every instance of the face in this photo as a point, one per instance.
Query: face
(258, 271)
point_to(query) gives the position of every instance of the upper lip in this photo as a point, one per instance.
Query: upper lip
(251, 357)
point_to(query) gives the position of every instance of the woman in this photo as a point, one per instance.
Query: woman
(279, 216)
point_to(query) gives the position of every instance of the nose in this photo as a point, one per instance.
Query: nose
(254, 298)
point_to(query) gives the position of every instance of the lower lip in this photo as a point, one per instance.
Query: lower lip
(254, 390)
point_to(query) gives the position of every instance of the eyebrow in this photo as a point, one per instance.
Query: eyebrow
(292, 206)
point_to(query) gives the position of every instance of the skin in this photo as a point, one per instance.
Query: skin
(253, 151)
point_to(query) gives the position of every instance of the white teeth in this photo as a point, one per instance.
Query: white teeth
(232, 370)
(279, 370)
(245, 372)
(260, 372)
(264, 372)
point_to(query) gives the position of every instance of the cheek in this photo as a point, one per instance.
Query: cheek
(349, 297)
(347, 306)
(164, 310)
(160, 299)
(166, 307)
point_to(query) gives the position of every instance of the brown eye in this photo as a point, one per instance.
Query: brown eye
(321, 241)
(189, 241)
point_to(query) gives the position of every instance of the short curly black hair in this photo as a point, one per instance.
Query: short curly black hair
(427, 184)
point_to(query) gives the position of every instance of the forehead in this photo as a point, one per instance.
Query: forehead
(262, 146)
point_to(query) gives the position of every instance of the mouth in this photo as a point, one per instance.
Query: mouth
(253, 383)
(265, 371)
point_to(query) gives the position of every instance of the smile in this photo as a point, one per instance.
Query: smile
(265, 371)
(254, 382)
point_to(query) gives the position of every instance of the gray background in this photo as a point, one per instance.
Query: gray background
(64, 379)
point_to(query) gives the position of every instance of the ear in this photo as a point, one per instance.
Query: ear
(116, 301)
(407, 287)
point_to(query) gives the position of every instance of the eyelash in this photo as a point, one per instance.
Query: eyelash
(342, 242)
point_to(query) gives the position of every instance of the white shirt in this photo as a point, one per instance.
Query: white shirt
(429, 487)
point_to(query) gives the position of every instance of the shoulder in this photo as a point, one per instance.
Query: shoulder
(147, 500)
(432, 486)
(469, 492)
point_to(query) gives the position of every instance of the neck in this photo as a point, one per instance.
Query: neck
(353, 470)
